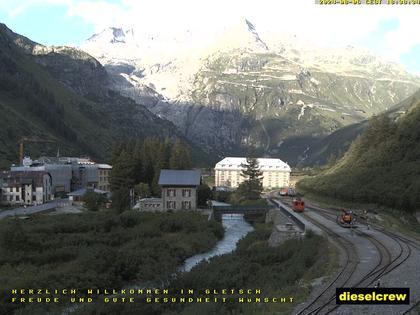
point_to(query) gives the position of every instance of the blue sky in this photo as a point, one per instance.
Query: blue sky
(49, 25)
(386, 30)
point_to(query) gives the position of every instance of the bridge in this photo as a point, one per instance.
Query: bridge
(251, 213)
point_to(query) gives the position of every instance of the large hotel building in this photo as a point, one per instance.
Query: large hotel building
(276, 173)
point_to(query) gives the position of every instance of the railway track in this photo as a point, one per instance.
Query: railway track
(343, 276)
(323, 303)
(370, 277)
(406, 246)
(386, 262)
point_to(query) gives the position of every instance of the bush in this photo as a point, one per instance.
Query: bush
(93, 201)
(98, 249)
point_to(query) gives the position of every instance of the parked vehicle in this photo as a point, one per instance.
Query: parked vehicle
(287, 191)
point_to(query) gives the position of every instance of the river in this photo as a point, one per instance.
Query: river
(235, 228)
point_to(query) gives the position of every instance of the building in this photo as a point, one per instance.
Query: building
(25, 187)
(179, 189)
(104, 175)
(150, 204)
(70, 173)
(276, 173)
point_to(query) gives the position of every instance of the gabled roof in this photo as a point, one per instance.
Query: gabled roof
(179, 177)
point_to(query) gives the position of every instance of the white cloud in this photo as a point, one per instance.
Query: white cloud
(99, 13)
(333, 24)
(405, 37)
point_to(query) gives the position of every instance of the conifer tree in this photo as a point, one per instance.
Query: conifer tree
(180, 156)
(122, 180)
(251, 188)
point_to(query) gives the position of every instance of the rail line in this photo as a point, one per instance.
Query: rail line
(405, 246)
(370, 277)
(385, 265)
(343, 276)
(404, 251)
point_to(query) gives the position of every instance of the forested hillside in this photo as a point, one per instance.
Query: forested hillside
(60, 94)
(381, 166)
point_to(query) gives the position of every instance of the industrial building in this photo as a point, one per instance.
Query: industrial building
(276, 173)
(69, 173)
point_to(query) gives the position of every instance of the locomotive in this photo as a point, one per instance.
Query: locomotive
(346, 219)
(298, 205)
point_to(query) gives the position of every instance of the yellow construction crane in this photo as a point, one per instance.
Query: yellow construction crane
(27, 139)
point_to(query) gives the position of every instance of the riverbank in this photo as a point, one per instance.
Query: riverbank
(97, 250)
(284, 275)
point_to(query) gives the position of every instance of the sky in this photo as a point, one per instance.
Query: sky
(391, 31)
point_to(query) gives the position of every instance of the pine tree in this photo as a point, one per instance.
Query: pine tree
(180, 156)
(204, 193)
(251, 188)
(122, 180)
(142, 190)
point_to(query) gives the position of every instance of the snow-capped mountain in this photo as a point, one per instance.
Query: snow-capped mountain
(239, 87)
(112, 35)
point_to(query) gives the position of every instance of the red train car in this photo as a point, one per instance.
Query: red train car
(346, 219)
(298, 205)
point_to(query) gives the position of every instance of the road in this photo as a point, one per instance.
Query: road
(22, 211)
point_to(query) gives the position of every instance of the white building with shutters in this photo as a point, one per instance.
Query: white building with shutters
(276, 173)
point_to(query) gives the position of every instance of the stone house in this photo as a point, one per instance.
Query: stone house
(179, 189)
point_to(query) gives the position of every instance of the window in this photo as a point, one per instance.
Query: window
(170, 205)
(171, 193)
(186, 193)
(186, 205)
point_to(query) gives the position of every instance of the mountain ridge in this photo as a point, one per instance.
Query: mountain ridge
(61, 94)
(381, 166)
(279, 89)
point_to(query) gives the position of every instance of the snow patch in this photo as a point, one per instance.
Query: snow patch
(302, 111)
(296, 91)
(314, 81)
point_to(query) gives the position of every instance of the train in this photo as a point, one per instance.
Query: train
(346, 218)
(298, 205)
(287, 191)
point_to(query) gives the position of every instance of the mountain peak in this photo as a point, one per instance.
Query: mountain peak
(251, 26)
(242, 35)
(112, 35)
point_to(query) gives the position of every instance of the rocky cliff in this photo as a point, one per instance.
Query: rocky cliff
(244, 89)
